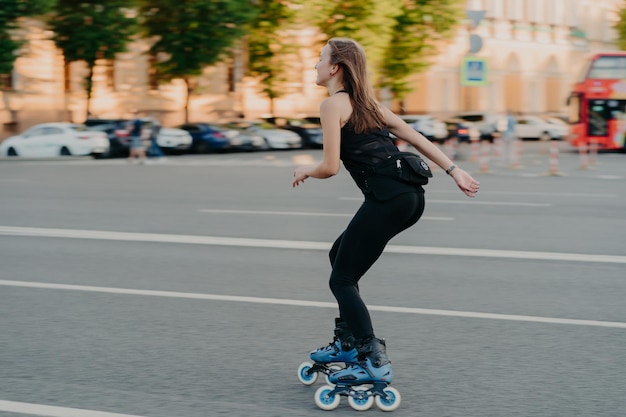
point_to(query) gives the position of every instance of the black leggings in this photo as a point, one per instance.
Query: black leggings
(360, 245)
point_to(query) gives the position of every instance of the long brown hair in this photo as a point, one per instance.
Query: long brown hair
(350, 55)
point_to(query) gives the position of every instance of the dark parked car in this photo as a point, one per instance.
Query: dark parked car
(313, 119)
(119, 143)
(460, 128)
(309, 131)
(206, 137)
(486, 123)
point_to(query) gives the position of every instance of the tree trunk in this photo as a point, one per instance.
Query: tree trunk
(67, 114)
(89, 88)
(188, 85)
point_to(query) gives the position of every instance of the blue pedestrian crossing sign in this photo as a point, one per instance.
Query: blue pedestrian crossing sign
(474, 71)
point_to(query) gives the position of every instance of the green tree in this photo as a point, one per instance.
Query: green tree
(10, 13)
(419, 32)
(190, 35)
(369, 22)
(620, 27)
(269, 53)
(89, 30)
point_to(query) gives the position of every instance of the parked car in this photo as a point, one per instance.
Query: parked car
(534, 127)
(242, 139)
(310, 132)
(119, 146)
(313, 119)
(56, 139)
(169, 139)
(461, 129)
(274, 137)
(487, 123)
(206, 137)
(429, 126)
(562, 125)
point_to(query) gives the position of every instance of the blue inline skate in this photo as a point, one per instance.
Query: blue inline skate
(364, 382)
(331, 357)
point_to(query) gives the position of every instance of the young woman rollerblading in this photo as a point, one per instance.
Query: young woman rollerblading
(356, 131)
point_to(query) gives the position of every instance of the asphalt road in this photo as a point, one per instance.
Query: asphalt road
(196, 286)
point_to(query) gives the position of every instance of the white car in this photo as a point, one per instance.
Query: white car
(174, 139)
(56, 139)
(534, 127)
(274, 137)
(427, 125)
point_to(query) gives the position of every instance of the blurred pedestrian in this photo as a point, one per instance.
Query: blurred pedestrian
(137, 152)
(356, 130)
(510, 139)
(155, 150)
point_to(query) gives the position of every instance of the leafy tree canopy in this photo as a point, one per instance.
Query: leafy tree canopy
(369, 22)
(192, 34)
(88, 30)
(399, 36)
(10, 12)
(620, 27)
(419, 32)
(268, 50)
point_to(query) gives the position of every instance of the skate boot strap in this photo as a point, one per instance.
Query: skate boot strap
(344, 335)
(376, 350)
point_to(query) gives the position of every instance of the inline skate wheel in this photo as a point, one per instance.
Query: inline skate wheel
(331, 369)
(303, 376)
(392, 401)
(325, 399)
(361, 401)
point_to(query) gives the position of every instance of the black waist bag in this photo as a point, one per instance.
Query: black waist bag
(407, 167)
(402, 172)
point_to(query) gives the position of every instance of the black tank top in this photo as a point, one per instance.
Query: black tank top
(361, 151)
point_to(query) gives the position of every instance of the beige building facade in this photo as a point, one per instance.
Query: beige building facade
(534, 50)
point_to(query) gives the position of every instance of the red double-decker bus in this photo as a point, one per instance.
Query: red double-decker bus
(597, 104)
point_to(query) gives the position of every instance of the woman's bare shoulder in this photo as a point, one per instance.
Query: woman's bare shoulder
(336, 107)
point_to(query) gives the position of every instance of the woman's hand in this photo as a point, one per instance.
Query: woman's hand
(299, 175)
(466, 183)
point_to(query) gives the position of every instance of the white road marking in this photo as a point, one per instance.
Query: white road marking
(531, 193)
(300, 213)
(54, 411)
(491, 203)
(473, 202)
(302, 245)
(316, 304)
(14, 180)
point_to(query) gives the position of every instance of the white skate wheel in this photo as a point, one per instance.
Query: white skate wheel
(306, 379)
(361, 404)
(392, 401)
(325, 400)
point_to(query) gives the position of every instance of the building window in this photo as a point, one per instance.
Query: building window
(514, 10)
(110, 74)
(475, 5)
(6, 82)
(67, 76)
(570, 17)
(231, 76)
(153, 76)
(535, 11)
(495, 8)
